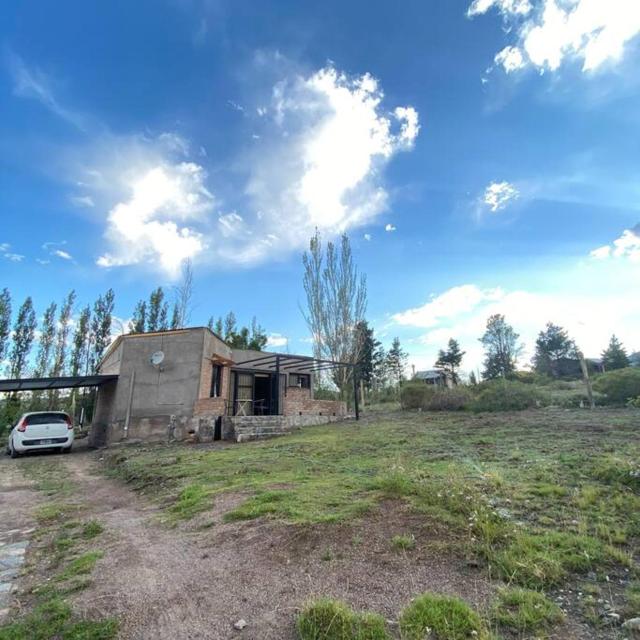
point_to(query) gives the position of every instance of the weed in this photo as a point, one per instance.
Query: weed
(81, 565)
(403, 542)
(525, 610)
(92, 529)
(441, 618)
(193, 499)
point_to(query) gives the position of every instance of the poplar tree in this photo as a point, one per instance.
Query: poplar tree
(46, 342)
(5, 322)
(501, 347)
(62, 335)
(139, 319)
(81, 343)
(154, 309)
(175, 317)
(396, 362)
(23, 335)
(101, 327)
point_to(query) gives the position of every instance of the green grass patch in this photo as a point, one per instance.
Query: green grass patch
(53, 513)
(193, 499)
(326, 619)
(82, 565)
(441, 618)
(91, 529)
(525, 610)
(54, 620)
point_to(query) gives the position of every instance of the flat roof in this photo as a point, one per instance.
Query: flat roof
(61, 382)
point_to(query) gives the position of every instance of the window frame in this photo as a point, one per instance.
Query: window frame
(216, 380)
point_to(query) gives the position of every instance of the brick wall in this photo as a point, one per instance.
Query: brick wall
(299, 402)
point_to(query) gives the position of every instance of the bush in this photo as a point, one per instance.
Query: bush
(326, 619)
(441, 618)
(505, 395)
(619, 386)
(418, 395)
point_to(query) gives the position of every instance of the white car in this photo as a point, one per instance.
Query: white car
(41, 430)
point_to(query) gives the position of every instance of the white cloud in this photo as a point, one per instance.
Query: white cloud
(7, 254)
(510, 58)
(389, 227)
(277, 340)
(521, 7)
(143, 228)
(32, 83)
(367, 237)
(62, 254)
(550, 32)
(83, 201)
(462, 312)
(626, 246)
(499, 194)
(319, 164)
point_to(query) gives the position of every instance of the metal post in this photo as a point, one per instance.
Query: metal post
(277, 393)
(355, 392)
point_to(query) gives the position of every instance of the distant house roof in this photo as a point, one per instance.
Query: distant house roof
(430, 374)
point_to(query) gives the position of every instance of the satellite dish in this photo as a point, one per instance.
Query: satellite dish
(157, 358)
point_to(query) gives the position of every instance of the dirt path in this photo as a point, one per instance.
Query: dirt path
(188, 583)
(17, 498)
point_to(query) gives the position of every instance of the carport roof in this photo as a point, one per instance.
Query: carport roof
(61, 382)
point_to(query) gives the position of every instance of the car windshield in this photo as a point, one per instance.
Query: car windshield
(47, 418)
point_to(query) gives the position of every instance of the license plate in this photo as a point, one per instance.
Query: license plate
(46, 441)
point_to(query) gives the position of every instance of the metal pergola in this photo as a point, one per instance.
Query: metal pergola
(283, 362)
(60, 382)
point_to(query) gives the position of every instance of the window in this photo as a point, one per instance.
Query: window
(302, 380)
(216, 381)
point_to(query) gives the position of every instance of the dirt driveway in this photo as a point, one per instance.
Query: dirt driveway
(195, 581)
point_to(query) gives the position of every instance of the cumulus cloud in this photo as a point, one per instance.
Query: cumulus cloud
(276, 340)
(461, 312)
(549, 32)
(320, 165)
(499, 194)
(626, 246)
(143, 228)
(367, 237)
(389, 227)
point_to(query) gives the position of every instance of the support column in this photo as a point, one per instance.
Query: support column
(277, 387)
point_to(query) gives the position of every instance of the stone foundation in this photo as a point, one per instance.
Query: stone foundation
(245, 428)
(299, 402)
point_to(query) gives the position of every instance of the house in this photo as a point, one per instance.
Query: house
(436, 377)
(190, 384)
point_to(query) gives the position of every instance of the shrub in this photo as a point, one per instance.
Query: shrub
(525, 610)
(620, 385)
(326, 619)
(506, 395)
(418, 395)
(441, 618)
(634, 403)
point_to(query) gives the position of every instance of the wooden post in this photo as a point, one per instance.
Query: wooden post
(585, 377)
(127, 418)
(362, 393)
(355, 393)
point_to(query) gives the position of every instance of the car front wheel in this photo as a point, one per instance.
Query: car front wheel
(14, 454)
(66, 449)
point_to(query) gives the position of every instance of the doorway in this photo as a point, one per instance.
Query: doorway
(262, 394)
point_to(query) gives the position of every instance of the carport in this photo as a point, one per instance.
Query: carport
(49, 384)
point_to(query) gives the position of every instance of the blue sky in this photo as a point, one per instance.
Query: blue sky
(482, 156)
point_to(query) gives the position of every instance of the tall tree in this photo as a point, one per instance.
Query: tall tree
(396, 362)
(184, 295)
(450, 359)
(230, 327)
(23, 335)
(369, 354)
(138, 321)
(101, 327)
(615, 355)
(501, 348)
(46, 342)
(175, 318)
(62, 334)
(154, 310)
(257, 338)
(554, 349)
(472, 378)
(5, 322)
(81, 344)
(336, 302)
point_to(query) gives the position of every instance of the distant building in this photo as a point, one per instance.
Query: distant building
(436, 377)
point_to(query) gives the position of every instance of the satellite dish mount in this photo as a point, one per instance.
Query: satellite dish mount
(156, 359)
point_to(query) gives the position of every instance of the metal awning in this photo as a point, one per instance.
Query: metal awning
(61, 382)
(286, 361)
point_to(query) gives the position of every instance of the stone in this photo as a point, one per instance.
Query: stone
(633, 627)
(240, 624)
